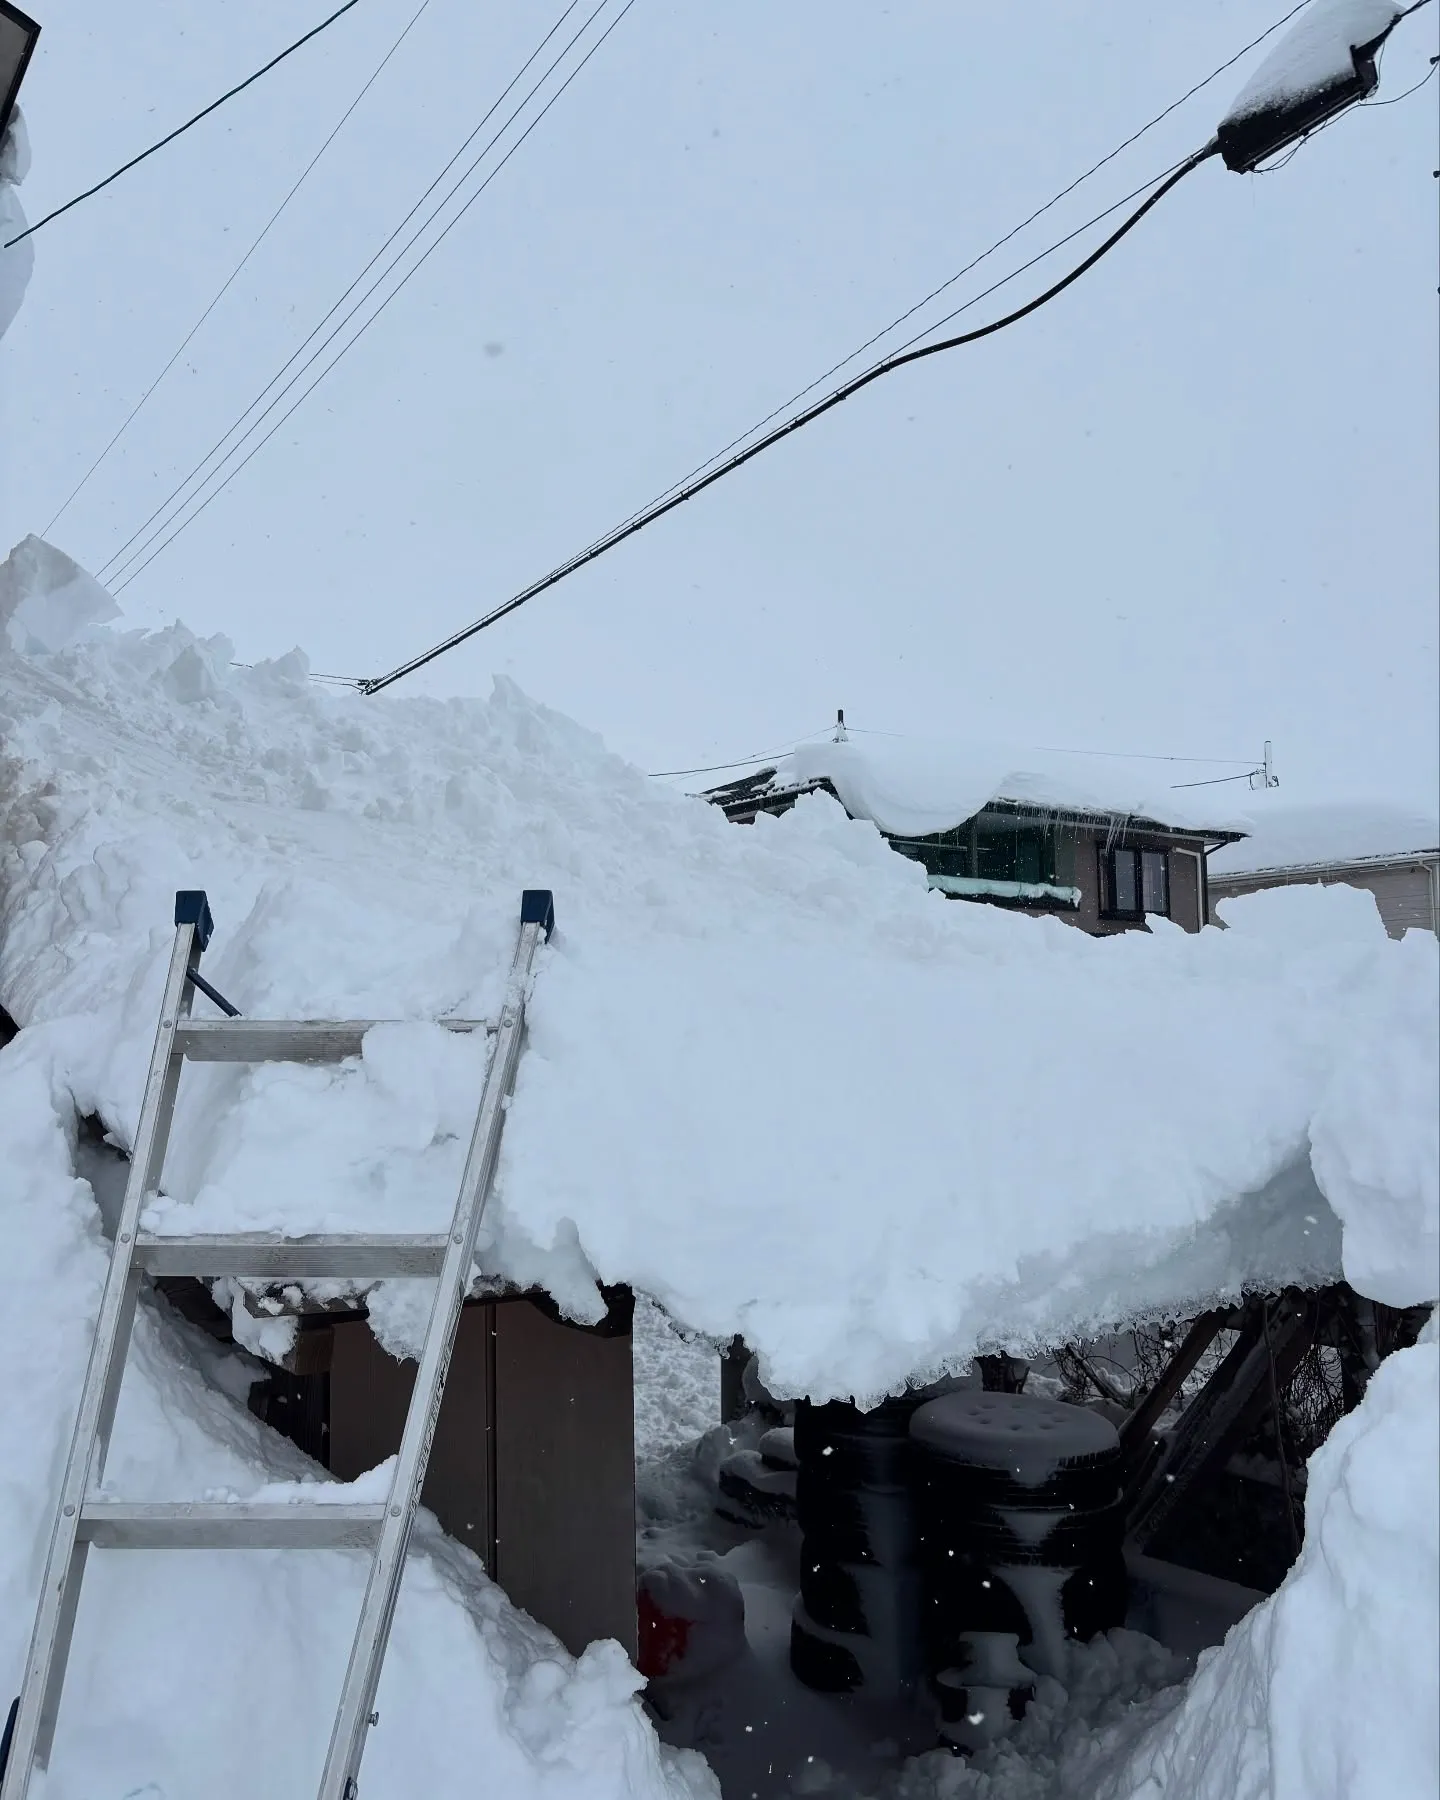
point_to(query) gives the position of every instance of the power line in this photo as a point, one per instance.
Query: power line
(1239, 762)
(683, 489)
(1218, 780)
(984, 256)
(1434, 61)
(742, 762)
(335, 307)
(179, 130)
(404, 279)
(887, 366)
(230, 279)
(136, 558)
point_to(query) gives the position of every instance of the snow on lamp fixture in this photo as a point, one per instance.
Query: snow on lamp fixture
(17, 44)
(1317, 70)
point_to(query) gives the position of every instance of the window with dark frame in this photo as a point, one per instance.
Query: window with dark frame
(1134, 883)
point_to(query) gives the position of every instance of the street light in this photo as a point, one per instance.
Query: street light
(17, 44)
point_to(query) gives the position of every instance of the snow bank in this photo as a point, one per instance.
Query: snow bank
(1315, 53)
(1291, 837)
(771, 1079)
(47, 601)
(170, 1675)
(17, 263)
(910, 787)
(1327, 1690)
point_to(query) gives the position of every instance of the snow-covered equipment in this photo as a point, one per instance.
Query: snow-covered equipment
(84, 1519)
(1323, 65)
(856, 1623)
(1021, 1528)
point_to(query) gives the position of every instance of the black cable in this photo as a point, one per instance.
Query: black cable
(181, 129)
(984, 256)
(741, 762)
(885, 367)
(1395, 101)
(115, 563)
(230, 279)
(616, 532)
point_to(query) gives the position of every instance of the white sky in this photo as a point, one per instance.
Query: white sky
(1190, 506)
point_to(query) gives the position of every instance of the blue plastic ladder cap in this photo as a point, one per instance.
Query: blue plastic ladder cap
(192, 908)
(537, 907)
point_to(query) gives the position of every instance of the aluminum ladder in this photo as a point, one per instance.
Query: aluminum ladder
(82, 1521)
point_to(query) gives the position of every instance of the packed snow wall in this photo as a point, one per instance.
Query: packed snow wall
(771, 1079)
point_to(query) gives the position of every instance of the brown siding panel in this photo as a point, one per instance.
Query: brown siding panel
(554, 1520)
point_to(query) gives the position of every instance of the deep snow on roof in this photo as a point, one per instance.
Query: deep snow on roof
(770, 1079)
(1291, 837)
(911, 787)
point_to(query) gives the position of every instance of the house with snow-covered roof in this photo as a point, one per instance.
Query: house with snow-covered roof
(1388, 851)
(1096, 841)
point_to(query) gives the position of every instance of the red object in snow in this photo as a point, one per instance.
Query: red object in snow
(664, 1639)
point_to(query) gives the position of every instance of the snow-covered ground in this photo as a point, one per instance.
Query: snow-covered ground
(771, 1081)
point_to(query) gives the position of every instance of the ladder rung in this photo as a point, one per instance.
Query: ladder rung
(230, 1525)
(287, 1040)
(339, 1254)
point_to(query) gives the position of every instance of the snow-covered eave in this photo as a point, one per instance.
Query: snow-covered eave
(1334, 865)
(741, 796)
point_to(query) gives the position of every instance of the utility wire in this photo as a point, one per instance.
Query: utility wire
(299, 351)
(742, 762)
(984, 256)
(683, 488)
(230, 279)
(1219, 780)
(135, 559)
(1239, 762)
(674, 494)
(179, 130)
(885, 367)
(1434, 61)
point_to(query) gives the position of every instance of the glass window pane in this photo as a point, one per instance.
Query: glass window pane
(1155, 882)
(1127, 881)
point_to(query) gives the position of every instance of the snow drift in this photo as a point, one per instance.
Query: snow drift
(1327, 1690)
(771, 1079)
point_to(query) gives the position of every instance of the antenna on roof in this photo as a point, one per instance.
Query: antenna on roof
(840, 733)
(1265, 775)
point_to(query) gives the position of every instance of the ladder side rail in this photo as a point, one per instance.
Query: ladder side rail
(59, 1595)
(362, 1676)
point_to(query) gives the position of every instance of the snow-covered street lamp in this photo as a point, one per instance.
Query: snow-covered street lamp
(17, 44)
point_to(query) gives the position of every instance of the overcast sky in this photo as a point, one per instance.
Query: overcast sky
(1190, 506)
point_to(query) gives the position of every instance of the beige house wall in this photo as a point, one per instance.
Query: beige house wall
(1407, 893)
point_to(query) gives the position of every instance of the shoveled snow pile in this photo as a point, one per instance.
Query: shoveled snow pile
(1315, 53)
(1327, 1690)
(771, 1079)
(1297, 837)
(911, 787)
(220, 1676)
